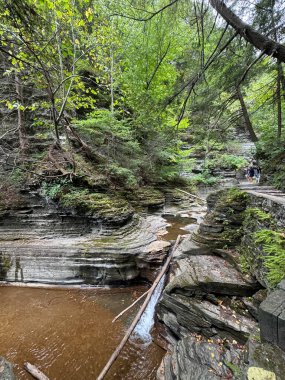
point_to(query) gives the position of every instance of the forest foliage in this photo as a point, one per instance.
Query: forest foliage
(129, 94)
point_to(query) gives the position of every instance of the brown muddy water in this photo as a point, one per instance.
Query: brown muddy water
(69, 334)
(178, 225)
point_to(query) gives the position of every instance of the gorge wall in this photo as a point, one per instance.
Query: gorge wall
(212, 304)
(43, 242)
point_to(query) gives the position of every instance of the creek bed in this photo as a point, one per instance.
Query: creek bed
(69, 334)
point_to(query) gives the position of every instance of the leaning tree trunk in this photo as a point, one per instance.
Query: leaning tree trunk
(258, 40)
(245, 115)
(23, 139)
(278, 99)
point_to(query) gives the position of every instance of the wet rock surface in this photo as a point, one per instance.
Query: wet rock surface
(6, 370)
(183, 315)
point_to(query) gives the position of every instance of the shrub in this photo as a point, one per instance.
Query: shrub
(205, 178)
(122, 176)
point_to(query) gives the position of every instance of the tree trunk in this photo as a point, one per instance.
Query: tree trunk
(54, 119)
(282, 81)
(278, 99)
(245, 114)
(23, 139)
(255, 38)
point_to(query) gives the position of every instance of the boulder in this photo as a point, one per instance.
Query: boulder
(256, 373)
(198, 275)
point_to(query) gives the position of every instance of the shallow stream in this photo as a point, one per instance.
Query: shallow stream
(69, 334)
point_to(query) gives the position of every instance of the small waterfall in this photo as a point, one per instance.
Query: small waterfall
(146, 322)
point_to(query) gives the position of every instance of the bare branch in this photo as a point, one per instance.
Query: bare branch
(153, 14)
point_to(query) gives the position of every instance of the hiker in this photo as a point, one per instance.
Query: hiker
(257, 173)
(250, 173)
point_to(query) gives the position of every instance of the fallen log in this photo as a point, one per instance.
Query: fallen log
(35, 372)
(139, 314)
(192, 195)
(129, 307)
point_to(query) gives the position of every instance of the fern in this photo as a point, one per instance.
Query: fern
(273, 245)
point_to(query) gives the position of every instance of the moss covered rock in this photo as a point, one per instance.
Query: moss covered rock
(146, 197)
(108, 207)
(222, 226)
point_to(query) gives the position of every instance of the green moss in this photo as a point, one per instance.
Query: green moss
(5, 265)
(234, 368)
(103, 205)
(256, 213)
(235, 195)
(146, 196)
(89, 174)
(246, 261)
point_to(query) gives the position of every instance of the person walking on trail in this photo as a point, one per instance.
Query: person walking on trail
(250, 173)
(257, 173)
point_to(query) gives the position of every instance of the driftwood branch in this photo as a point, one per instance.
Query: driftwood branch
(129, 307)
(191, 195)
(139, 314)
(35, 372)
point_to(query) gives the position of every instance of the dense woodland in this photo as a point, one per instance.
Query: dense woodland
(100, 97)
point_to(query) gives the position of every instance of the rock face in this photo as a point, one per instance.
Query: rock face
(208, 297)
(43, 243)
(207, 294)
(200, 275)
(201, 360)
(6, 370)
(222, 224)
(262, 355)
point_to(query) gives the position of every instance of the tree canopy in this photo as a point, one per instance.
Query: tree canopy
(140, 86)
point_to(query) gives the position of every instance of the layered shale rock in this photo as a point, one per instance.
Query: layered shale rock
(222, 225)
(208, 296)
(42, 242)
(193, 358)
